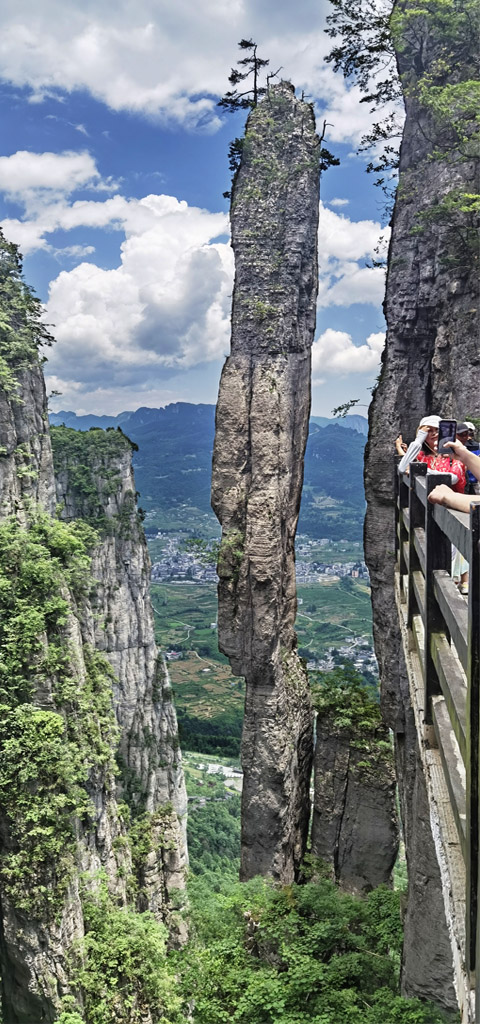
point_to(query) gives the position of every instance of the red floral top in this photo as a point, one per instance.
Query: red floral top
(443, 464)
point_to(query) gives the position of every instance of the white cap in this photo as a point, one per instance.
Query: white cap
(470, 425)
(430, 421)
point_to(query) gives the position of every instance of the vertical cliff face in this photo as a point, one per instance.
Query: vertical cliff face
(94, 481)
(25, 454)
(261, 430)
(431, 363)
(354, 828)
(81, 688)
(59, 818)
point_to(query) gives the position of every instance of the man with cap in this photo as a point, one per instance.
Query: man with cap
(463, 432)
(466, 436)
(472, 442)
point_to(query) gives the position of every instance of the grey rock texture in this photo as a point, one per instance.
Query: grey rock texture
(33, 961)
(119, 622)
(427, 955)
(26, 469)
(116, 620)
(354, 828)
(431, 363)
(261, 430)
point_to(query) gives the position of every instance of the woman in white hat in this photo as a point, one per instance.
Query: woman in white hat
(425, 449)
(427, 434)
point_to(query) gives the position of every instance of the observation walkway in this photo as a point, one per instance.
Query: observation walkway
(441, 641)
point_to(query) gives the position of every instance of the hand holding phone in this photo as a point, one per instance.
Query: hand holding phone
(447, 431)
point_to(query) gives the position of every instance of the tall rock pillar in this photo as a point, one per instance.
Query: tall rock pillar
(261, 432)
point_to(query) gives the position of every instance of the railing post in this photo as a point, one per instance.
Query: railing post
(417, 514)
(473, 783)
(396, 491)
(402, 535)
(438, 555)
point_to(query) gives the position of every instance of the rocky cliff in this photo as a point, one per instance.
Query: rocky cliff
(79, 685)
(354, 827)
(261, 430)
(431, 363)
(94, 482)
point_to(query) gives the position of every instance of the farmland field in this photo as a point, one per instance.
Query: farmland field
(330, 612)
(208, 698)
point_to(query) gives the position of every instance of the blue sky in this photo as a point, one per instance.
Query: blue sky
(112, 167)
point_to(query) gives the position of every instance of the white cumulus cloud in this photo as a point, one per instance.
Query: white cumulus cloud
(171, 61)
(26, 176)
(346, 247)
(334, 352)
(166, 306)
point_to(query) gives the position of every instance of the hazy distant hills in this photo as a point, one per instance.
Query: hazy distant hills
(172, 412)
(173, 464)
(353, 422)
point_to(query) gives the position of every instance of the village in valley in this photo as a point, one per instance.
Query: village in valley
(327, 572)
(177, 565)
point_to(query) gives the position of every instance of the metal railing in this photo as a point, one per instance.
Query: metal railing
(444, 629)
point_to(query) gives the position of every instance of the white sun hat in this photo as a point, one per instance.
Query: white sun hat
(430, 421)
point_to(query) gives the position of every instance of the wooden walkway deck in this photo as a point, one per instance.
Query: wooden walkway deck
(441, 640)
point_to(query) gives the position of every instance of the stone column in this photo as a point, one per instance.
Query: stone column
(261, 430)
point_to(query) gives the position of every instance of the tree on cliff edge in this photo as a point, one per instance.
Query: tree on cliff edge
(247, 100)
(252, 64)
(441, 80)
(22, 328)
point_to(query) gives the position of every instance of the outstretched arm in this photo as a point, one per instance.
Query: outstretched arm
(469, 459)
(413, 450)
(443, 495)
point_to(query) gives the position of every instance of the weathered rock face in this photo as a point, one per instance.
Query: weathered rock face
(119, 622)
(261, 430)
(25, 455)
(37, 931)
(63, 725)
(431, 364)
(427, 955)
(354, 827)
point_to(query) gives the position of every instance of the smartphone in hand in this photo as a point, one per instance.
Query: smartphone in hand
(447, 431)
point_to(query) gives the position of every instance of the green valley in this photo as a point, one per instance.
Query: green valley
(173, 468)
(333, 624)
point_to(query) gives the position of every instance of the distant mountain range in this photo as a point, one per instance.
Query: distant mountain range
(173, 463)
(145, 415)
(353, 422)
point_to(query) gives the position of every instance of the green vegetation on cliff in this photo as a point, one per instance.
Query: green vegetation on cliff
(259, 954)
(121, 968)
(48, 752)
(91, 461)
(266, 954)
(39, 564)
(22, 330)
(436, 43)
(351, 708)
